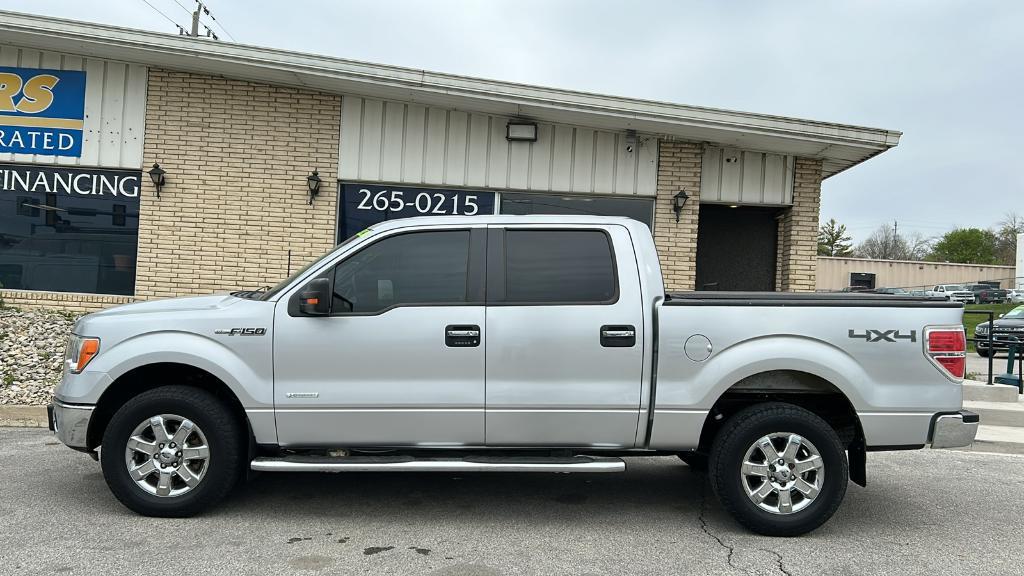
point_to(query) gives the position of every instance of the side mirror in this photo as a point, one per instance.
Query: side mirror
(315, 297)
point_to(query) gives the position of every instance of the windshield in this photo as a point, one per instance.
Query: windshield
(287, 281)
(953, 287)
(1015, 314)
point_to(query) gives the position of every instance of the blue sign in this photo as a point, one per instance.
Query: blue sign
(363, 205)
(41, 111)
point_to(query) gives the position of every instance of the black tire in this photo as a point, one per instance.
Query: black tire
(697, 461)
(740, 433)
(224, 435)
(983, 352)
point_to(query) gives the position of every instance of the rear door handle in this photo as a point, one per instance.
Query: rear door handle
(461, 335)
(618, 336)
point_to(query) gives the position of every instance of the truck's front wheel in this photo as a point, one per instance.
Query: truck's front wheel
(172, 452)
(779, 469)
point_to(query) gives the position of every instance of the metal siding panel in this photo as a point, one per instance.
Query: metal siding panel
(711, 174)
(351, 134)
(112, 110)
(604, 163)
(372, 139)
(394, 142)
(436, 137)
(133, 117)
(497, 161)
(561, 158)
(583, 161)
(76, 63)
(476, 162)
(457, 148)
(519, 165)
(774, 175)
(92, 131)
(647, 167)
(625, 166)
(540, 158)
(415, 134)
(788, 178)
(732, 175)
(752, 189)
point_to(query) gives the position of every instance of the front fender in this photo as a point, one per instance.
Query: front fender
(251, 383)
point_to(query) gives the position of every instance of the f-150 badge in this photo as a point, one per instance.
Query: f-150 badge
(884, 335)
(241, 331)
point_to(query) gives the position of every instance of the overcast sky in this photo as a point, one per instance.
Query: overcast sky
(949, 75)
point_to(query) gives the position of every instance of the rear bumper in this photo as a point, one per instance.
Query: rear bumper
(70, 422)
(954, 429)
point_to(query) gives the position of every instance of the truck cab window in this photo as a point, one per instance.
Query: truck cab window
(559, 267)
(416, 268)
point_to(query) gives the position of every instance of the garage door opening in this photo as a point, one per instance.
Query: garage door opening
(736, 248)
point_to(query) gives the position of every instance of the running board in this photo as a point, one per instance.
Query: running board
(409, 464)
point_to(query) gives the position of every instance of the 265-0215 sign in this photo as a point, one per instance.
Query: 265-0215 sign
(41, 111)
(366, 204)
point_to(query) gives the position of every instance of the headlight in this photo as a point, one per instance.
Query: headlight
(79, 352)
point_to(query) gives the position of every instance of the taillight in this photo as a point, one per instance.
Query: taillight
(946, 346)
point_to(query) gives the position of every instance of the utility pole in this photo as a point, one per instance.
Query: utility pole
(195, 20)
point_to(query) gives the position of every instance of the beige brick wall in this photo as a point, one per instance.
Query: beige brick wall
(678, 169)
(67, 301)
(798, 230)
(237, 155)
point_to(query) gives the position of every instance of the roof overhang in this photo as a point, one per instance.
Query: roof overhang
(839, 146)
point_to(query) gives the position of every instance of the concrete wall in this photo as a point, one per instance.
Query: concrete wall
(834, 273)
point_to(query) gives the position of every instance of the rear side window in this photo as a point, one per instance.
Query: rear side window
(407, 269)
(559, 266)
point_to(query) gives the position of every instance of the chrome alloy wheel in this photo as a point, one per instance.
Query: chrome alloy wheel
(782, 473)
(167, 455)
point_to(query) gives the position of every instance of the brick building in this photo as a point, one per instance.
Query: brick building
(731, 197)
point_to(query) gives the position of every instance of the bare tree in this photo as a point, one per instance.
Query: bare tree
(1006, 238)
(884, 244)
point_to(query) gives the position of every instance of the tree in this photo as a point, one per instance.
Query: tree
(833, 240)
(884, 244)
(966, 246)
(1006, 238)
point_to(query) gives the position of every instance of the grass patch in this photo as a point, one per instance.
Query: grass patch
(971, 321)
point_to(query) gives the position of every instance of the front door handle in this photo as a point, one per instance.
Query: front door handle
(461, 335)
(618, 336)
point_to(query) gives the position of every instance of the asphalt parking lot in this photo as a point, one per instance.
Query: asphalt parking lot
(924, 512)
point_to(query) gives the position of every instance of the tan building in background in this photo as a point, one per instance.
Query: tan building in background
(241, 134)
(839, 273)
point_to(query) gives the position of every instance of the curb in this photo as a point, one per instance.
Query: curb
(23, 416)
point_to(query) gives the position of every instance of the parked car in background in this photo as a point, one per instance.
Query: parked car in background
(919, 293)
(1006, 329)
(953, 292)
(893, 291)
(1015, 296)
(985, 294)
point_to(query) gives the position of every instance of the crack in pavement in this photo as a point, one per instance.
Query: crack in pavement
(732, 549)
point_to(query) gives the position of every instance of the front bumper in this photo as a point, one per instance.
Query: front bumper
(954, 429)
(70, 422)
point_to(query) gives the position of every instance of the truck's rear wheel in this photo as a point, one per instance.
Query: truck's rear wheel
(779, 469)
(172, 451)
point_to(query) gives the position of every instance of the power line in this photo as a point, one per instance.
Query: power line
(214, 18)
(187, 11)
(168, 18)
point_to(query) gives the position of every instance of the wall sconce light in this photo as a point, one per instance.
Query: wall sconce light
(156, 173)
(313, 183)
(678, 201)
(519, 131)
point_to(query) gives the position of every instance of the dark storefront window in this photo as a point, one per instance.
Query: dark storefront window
(66, 234)
(640, 209)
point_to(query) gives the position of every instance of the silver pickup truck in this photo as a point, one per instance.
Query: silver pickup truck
(511, 344)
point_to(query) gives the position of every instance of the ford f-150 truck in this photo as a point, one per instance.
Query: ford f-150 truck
(511, 344)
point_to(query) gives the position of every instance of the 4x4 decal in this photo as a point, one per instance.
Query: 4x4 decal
(884, 335)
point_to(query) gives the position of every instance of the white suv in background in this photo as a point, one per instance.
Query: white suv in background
(1015, 296)
(953, 292)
